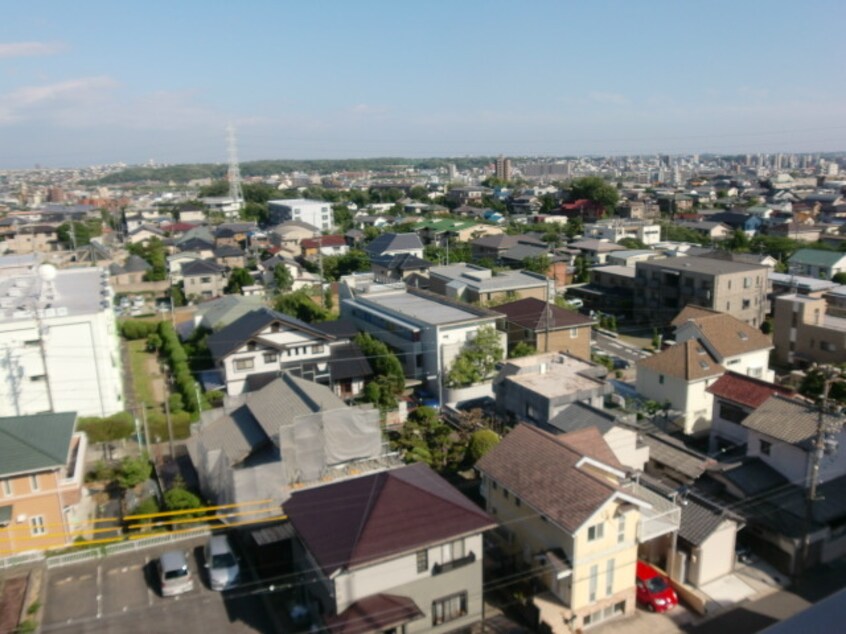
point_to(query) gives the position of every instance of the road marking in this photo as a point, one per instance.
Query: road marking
(85, 577)
(99, 592)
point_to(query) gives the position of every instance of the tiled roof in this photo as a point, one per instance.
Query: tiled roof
(816, 257)
(36, 442)
(534, 314)
(668, 451)
(726, 335)
(376, 613)
(201, 267)
(353, 522)
(787, 419)
(541, 469)
(699, 520)
(401, 262)
(688, 360)
(745, 390)
(347, 361)
(577, 416)
(326, 241)
(394, 242)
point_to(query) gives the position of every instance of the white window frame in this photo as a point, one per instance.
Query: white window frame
(7, 488)
(37, 526)
(598, 532)
(33, 483)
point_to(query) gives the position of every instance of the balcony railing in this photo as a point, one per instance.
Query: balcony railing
(438, 569)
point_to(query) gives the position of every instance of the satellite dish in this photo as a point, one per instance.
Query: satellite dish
(47, 272)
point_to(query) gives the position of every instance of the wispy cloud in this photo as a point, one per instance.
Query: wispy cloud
(30, 102)
(10, 50)
(612, 98)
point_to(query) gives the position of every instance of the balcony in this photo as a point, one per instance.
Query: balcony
(468, 559)
(663, 518)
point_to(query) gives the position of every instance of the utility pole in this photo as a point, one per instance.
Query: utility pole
(824, 429)
(169, 428)
(146, 427)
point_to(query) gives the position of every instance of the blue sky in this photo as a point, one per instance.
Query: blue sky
(91, 82)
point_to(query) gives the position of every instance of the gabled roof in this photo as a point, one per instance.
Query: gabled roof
(542, 470)
(394, 242)
(35, 443)
(201, 267)
(375, 613)
(724, 334)
(353, 522)
(236, 334)
(195, 244)
(699, 520)
(666, 450)
(401, 262)
(536, 314)
(577, 416)
(688, 360)
(745, 390)
(135, 264)
(347, 361)
(788, 420)
(521, 251)
(228, 251)
(325, 241)
(816, 257)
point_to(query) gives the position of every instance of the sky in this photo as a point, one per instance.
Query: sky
(92, 82)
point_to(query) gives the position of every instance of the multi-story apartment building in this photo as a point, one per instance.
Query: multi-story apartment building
(664, 287)
(396, 551)
(805, 332)
(476, 284)
(427, 331)
(58, 340)
(42, 492)
(317, 213)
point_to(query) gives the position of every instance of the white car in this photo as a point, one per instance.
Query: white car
(221, 562)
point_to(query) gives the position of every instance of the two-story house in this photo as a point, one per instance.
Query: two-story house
(395, 244)
(203, 279)
(396, 551)
(547, 327)
(564, 514)
(817, 263)
(43, 500)
(265, 342)
(734, 344)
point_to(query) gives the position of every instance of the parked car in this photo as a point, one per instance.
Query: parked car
(221, 562)
(653, 589)
(174, 574)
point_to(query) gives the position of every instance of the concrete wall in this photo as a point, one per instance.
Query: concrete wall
(715, 557)
(689, 398)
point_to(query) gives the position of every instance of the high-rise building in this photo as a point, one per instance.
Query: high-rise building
(503, 168)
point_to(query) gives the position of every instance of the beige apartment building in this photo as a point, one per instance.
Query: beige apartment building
(664, 287)
(804, 331)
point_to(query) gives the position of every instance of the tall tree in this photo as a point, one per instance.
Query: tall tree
(595, 189)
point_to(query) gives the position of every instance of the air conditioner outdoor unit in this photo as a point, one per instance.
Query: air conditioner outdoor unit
(21, 518)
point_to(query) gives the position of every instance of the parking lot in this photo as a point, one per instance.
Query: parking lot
(121, 594)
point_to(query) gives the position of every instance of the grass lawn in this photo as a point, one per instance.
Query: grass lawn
(142, 383)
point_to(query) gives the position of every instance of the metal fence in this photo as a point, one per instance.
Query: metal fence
(20, 560)
(134, 545)
(74, 558)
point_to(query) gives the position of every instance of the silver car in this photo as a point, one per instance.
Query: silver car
(221, 563)
(174, 574)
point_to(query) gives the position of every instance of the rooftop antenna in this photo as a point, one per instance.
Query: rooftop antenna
(236, 194)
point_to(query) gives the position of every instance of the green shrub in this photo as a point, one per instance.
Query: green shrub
(481, 442)
(179, 499)
(134, 471)
(147, 506)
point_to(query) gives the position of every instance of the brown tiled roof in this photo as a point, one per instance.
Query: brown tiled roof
(540, 469)
(692, 312)
(376, 613)
(725, 334)
(533, 313)
(787, 419)
(688, 360)
(590, 442)
(745, 390)
(357, 521)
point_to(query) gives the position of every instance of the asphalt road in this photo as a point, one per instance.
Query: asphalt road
(121, 594)
(615, 348)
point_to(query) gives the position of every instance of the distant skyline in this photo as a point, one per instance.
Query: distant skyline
(98, 82)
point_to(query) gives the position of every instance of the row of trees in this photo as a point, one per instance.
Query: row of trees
(388, 380)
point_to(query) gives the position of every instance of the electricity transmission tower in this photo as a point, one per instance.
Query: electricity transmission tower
(236, 194)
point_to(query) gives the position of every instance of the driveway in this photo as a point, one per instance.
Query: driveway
(121, 594)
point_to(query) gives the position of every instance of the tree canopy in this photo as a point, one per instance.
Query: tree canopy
(298, 304)
(595, 189)
(477, 360)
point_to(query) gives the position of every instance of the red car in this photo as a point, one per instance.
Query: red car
(653, 589)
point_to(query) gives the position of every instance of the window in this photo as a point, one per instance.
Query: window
(422, 560)
(241, 365)
(732, 413)
(827, 346)
(746, 304)
(595, 532)
(516, 500)
(594, 581)
(621, 529)
(36, 525)
(317, 349)
(765, 447)
(574, 332)
(270, 357)
(7, 488)
(33, 482)
(747, 282)
(661, 379)
(449, 608)
(728, 306)
(205, 280)
(609, 577)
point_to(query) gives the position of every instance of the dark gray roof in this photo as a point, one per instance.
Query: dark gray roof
(347, 361)
(135, 264)
(36, 442)
(201, 267)
(520, 252)
(754, 477)
(195, 244)
(236, 434)
(699, 520)
(233, 336)
(394, 242)
(700, 265)
(580, 416)
(339, 328)
(228, 251)
(668, 451)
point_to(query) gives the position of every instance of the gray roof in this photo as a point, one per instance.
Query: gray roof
(201, 267)
(245, 327)
(347, 361)
(580, 416)
(699, 520)
(788, 420)
(198, 233)
(135, 264)
(426, 307)
(35, 443)
(520, 252)
(394, 242)
(281, 401)
(754, 477)
(671, 452)
(217, 313)
(228, 251)
(484, 280)
(401, 262)
(236, 434)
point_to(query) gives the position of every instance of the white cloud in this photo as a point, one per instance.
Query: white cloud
(30, 102)
(9, 50)
(611, 98)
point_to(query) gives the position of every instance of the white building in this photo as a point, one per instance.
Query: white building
(317, 213)
(59, 349)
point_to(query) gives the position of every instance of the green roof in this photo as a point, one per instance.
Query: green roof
(816, 257)
(36, 442)
(445, 224)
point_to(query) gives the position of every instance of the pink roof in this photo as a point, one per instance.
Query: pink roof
(326, 241)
